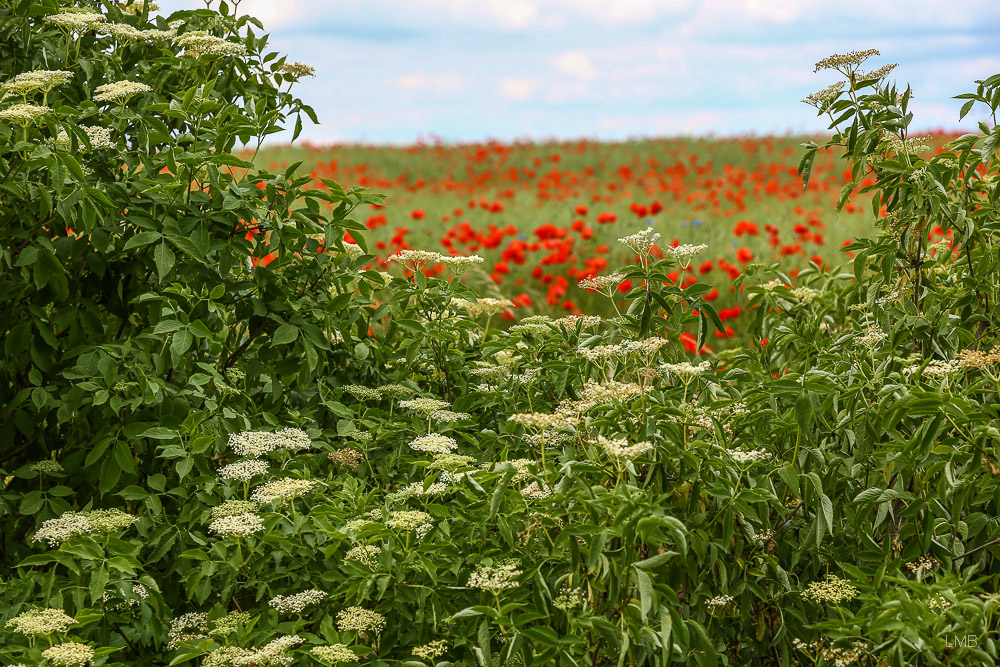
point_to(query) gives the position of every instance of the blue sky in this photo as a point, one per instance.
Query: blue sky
(398, 70)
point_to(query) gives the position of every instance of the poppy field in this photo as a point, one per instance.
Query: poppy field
(546, 216)
(702, 401)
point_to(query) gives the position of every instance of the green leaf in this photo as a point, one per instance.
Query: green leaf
(806, 163)
(790, 477)
(141, 239)
(27, 256)
(655, 561)
(647, 597)
(345, 427)
(98, 582)
(803, 412)
(158, 433)
(164, 260)
(826, 511)
(285, 334)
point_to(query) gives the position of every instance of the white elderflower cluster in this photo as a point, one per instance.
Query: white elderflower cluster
(366, 554)
(496, 578)
(686, 371)
(620, 449)
(531, 329)
(363, 393)
(488, 306)
(199, 42)
(40, 80)
(832, 589)
(294, 604)
(180, 629)
(603, 393)
(434, 443)
(822, 99)
(641, 242)
(297, 70)
(764, 537)
(544, 421)
(460, 263)
(243, 470)
(408, 520)
(272, 653)
(872, 336)
(353, 250)
(569, 598)
(604, 284)
(40, 622)
(774, 284)
(431, 650)
(450, 462)
(834, 655)
(46, 467)
(585, 321)
(445, 416)
(417, 257)
(237, 525)
(23, 114)
(283, 489)
(647, 348)
(876, 74)
(536, 491)
(71, 524)
(255, 444)
(76, 21)
(123, 32)
(846, 62)
(68, 654)
(426, 406)
(230, 623)
(525, 378)
(416, 489)
(751, 456)
(110, 520)
(719, 601)
(684, 253)
(119, 92)
(234, 508)
(804, 294)
(99, 137)
(938, 603)
(909, 145)
(359, 619)
(936, 368)
(334, 653)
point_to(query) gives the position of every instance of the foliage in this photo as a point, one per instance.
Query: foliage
(226, 442)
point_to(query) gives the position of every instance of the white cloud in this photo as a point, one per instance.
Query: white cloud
(575, 64)
(513, 13)
(516, 89)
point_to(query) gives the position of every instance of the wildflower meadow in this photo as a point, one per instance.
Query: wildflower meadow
(671, 402)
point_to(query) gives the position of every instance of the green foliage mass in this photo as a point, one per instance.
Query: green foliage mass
(223, 441)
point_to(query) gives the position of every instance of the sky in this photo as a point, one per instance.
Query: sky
(397, 71)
